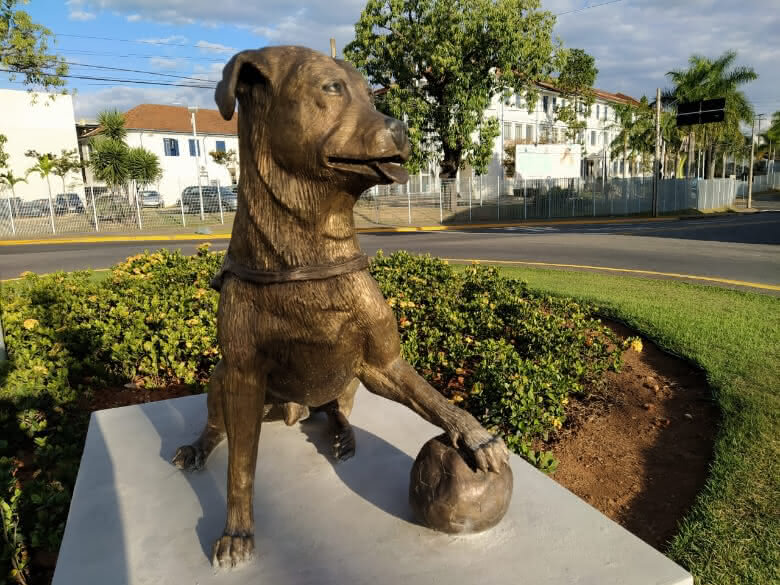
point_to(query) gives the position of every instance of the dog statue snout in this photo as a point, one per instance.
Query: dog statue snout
(398, 132)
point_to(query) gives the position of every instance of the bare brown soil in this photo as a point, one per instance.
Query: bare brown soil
(639, 449)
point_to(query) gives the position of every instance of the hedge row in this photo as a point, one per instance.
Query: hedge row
(511, 358)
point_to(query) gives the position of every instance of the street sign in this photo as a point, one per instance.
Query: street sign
(701, 112)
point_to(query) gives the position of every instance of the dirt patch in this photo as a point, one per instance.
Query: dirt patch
(639, 449)
(125, 396)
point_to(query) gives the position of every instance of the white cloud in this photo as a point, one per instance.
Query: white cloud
(171, 40)
(87, 105)
(133, 17)
(81, 15)
(208, 47)
(165, 62)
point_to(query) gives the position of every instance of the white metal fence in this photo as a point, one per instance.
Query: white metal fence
(422, 201)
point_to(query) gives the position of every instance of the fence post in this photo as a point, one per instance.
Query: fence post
(525, 200)
(137, 207)
(94, 209)
(51, 216)
(594, 197)
(498, 197)
(441, 213)
(219, 202)
(409, 203)
(471, 188)
(13, 232)
(377, 207)
(481, 191)
(181, 203)
(3, 353)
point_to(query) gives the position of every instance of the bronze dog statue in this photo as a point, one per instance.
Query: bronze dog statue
(300, 317)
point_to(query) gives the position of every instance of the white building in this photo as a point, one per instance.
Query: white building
(167, 132)
(540, 127)
(42, 122)
(542, 136)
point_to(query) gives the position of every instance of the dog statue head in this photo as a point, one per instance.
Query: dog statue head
(311, 116)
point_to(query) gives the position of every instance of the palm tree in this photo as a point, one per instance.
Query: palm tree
(44, 167)
(112, 124)
(707, 79)
(108, 161)
(8, 178)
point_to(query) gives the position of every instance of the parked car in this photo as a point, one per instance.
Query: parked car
(36, 208)
(151, 199)
(68, 203)
(190, 199)
(114, 208)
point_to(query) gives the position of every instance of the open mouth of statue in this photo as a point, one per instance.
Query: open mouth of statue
(388, 168)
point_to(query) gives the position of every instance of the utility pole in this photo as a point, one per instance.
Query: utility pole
(750, 171)
(333, 48)
(657, 158)
(193, 110)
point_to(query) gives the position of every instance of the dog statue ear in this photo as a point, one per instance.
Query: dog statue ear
(225, 94)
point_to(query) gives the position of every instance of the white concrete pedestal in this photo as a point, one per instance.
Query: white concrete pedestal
(135, 519)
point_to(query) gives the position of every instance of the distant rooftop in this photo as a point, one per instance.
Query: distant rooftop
(166, 118)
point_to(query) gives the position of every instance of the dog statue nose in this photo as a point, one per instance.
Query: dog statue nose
(397, 131)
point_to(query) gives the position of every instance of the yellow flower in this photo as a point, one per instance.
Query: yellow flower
(30, 324)
(557, 423)
(200, 292)
(565, 401)
(636, 345)
(25, 274)
(39, 369)
(92, 298)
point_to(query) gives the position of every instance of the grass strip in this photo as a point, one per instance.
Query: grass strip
(731, 534)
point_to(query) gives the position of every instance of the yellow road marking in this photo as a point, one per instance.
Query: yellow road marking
(626, 270)
(428, 228)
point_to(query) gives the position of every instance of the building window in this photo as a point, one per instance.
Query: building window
(593, 138)
(508, 100)
(606, 112)
(518, 131)
(220, 146)
(555, 100)
(507, 131)
(546, 103)
(529, 133)
(194, 146)
(518, 101)
(171, 146)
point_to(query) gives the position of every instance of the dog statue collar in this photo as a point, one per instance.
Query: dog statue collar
(314, 272)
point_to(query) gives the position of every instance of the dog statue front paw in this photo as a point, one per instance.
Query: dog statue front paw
(232, 550)
(490, 452)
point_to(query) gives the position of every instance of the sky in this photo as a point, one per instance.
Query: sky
(635, 42)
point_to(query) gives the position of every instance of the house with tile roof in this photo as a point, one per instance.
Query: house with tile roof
(167, 132)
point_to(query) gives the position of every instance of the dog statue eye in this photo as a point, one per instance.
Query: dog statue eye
(333, 87)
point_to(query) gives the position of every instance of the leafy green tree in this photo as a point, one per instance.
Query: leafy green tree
(773, 133)
(226, 159)
(65, 164)
(706, 78)
(441, 62)
(25, 51)
(575, 82)
(8, 178)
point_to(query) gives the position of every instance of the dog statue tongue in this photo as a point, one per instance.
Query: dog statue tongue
(393, 171)
(300, 319)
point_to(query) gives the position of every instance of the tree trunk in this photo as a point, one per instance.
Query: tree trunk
(625, 155)
(448, 174)
(691, 140)
(724, 164)
(711, 158)
(663, 158)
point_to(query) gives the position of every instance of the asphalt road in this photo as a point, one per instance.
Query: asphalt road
(740, 247)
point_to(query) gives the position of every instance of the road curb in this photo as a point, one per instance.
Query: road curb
(400, 229)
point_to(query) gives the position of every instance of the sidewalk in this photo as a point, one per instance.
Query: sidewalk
(222, 232)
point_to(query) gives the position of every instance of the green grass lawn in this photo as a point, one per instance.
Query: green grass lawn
(732, 534)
